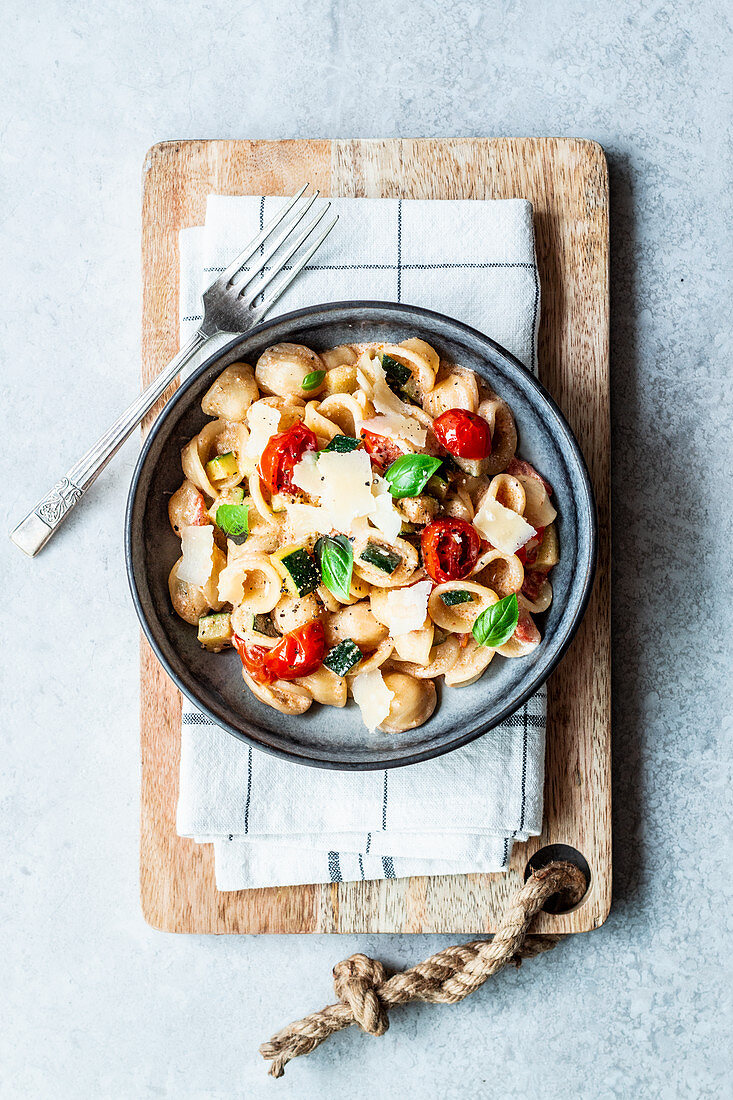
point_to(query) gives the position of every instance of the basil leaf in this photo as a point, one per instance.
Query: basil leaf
(409, 474)
(497, 623)
(233, 520)
(313, 380)
(342, 444)
(336, 559)
(395, 371)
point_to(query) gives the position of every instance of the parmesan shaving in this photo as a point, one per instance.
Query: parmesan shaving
(373, 697)
(307, 475)
(385, 516)
(231, 582)
(395, 419)
(341, 482)
(308, 519)
(197, 544)
(503, 528)
(405, 609)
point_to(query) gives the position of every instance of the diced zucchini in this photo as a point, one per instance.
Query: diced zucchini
(437, 487)
(215, 631)
(343, 657)
(474, 467)
(298, 569)
(222, 467)
(411, 392)
(380, 558)
(395, 371)
(342, 444)
(450, 599)
(263, 624)
(548, 553)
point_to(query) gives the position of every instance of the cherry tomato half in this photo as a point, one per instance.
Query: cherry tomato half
(450, 549)
(282, 453)
(298, 653)
(253, 659)
(532, 583)
(463, 434)
(382, 451)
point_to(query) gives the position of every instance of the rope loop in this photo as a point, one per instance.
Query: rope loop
(365, 993)
(357, 981)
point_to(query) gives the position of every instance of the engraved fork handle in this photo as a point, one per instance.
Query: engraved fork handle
(32, 533)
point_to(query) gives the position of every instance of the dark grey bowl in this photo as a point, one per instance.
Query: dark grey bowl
(326, 736)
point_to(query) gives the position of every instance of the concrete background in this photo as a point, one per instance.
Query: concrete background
(95, 1003)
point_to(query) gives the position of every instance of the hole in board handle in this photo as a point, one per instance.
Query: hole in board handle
(551, 852)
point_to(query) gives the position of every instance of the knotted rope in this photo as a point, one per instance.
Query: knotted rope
(365, 992)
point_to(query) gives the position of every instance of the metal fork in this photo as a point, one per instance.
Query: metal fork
(233, 303)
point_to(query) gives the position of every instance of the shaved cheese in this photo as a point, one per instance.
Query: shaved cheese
(347, 486)
(197, 544)
(404, 609)
(308, 519)
(307, 475)
(503, 528)
(396, 427)
(263, 422)
(231, 582)
(342, 483)
(395, 419)
(385, 516)
(347, 493)
(373, 697)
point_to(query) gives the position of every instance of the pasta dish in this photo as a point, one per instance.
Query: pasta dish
(357, 523)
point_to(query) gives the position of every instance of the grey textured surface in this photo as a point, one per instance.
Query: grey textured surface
(95, 1004)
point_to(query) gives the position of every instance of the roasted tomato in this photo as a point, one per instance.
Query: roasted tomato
(526, 632)
(450, 549)
(298, 653)
(463, 434)
(282, 454)
(253, 659)
(532, 583)
(382, 451)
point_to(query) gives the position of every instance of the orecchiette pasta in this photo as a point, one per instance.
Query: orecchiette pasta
(282, 368)
(232, 393)
(355, 522)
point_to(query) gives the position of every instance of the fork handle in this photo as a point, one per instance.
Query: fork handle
(32, 533)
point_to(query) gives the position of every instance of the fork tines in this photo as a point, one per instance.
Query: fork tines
(277, 234)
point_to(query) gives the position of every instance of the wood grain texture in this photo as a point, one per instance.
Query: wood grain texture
(566, 181)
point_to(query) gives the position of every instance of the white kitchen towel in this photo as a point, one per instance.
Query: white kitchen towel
(275, 823)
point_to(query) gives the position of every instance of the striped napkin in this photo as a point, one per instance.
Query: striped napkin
(275, 823)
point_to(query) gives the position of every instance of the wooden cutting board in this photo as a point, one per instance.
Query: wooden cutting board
(566, 180)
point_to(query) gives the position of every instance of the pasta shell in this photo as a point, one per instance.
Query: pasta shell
(472, 662)
(282, 368)
(287, 697)
(232, 393)
(413, 702)
(460, 617)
